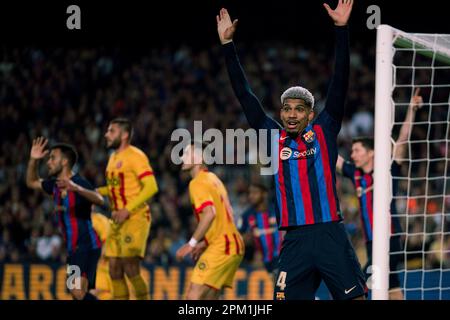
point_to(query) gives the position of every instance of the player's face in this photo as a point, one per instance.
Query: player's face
(55, 162)
(360, 155)
(295, 115)
(255, 195)
(113, 136)
(190, 158)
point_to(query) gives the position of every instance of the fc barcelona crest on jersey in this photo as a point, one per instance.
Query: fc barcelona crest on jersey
(309, 136)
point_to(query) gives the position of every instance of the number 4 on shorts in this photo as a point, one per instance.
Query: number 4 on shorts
(281, 282)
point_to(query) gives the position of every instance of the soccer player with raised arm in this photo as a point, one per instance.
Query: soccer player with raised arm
(361, 174)
(72, 196)
(216, 245)
(316, 245)
(130, 183)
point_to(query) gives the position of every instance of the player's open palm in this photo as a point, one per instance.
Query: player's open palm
(225, 27)
(341, 14)
(38, 148)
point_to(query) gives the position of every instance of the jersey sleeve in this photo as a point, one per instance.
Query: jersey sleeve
(348, 169)
(141, 165)
(328, 123)
(200, 196)
(48, 185)
(84, 183)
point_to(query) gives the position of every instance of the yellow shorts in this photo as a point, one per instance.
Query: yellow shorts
(216, 270)
(103, 286)
(129, 239)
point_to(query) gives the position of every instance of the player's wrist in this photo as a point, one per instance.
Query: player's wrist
(192, 242)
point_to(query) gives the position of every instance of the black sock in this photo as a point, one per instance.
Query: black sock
(89, 296)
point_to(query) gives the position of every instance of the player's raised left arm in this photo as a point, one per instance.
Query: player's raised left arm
(208, 214)
(37, 153)
(339, 84)
(400, 145)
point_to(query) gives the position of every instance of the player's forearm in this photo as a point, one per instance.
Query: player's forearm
(406, 126)
(32, 178)
(92, 196)
(149, 189)
(252, 107)
(339, 83)
(208, 216)
(400, 145)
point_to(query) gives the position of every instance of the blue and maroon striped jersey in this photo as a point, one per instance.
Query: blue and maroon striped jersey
(363, 182)
(305, 183)
(306, 178)
(263, 226)
(73, 215)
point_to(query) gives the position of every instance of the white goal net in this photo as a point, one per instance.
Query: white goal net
(411, 64)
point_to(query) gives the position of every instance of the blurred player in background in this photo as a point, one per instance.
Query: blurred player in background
(316, 244)
(130, 184)
(258, 224)
(216, 244)
(361, 174)
(73, 196)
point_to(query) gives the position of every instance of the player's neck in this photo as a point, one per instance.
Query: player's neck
(368, 167)
(122, 147)
(65, 174)
(196, 170)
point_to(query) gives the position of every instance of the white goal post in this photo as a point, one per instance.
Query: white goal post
(405, 62)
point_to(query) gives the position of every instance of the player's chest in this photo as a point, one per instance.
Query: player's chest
(64, 201)
(117, 171)
(363, 184)
(305, 147)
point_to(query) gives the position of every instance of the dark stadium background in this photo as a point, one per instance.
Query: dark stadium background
(34, 34)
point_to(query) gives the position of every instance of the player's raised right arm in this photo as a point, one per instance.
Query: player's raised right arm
(253, 109)
(37, 152)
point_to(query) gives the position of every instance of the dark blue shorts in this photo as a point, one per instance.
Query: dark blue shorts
(87, 262)
(395, 258)
(318, 252)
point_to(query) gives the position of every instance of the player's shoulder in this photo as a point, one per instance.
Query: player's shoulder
(202, 180)
(78, 178)
(135, 151)
(82, 181)
(325, 121)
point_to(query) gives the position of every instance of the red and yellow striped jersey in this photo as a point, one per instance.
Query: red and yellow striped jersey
(123, 174)
(206, 189)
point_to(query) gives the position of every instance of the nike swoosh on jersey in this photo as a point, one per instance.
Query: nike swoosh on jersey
(349, 290)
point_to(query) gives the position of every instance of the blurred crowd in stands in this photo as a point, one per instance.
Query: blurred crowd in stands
(70, 94)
